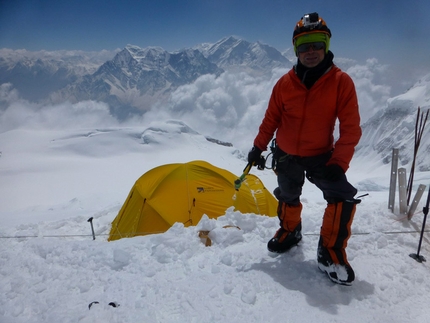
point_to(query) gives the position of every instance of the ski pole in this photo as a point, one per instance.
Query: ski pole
(417, 256)
(90, 220)
(238, 182)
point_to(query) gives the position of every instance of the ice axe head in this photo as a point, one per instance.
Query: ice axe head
(237, 184)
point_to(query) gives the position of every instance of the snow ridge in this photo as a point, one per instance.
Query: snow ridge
(394, 127)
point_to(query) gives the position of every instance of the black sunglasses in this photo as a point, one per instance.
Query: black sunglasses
(303, 48)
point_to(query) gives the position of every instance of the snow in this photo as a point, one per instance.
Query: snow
(51, 269)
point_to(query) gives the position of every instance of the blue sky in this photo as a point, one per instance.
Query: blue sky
(395, 32)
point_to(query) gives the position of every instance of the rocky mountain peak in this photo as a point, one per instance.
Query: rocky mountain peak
(135, 78)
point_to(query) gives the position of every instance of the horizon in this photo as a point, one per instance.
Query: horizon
(378, 72)
(392, 33)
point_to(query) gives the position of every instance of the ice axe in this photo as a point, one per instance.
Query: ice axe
(261, 165)
(239, 181)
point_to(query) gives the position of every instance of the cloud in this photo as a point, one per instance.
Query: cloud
(372, 95)
(7, 95)
(18, 113)
(229, 107)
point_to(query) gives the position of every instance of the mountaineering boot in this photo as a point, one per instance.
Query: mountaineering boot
(285, 240)
(335, 232)
(340, 273)
(290, 232)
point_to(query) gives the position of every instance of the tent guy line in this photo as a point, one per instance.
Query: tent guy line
(146, 233)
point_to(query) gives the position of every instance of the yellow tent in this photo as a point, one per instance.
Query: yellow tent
(183, 193)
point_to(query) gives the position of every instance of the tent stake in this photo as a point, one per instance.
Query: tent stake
(403, 208)
(417, 256)
(393, 178)
(90, 220)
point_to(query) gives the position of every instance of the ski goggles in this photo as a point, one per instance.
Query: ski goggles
(303, 48)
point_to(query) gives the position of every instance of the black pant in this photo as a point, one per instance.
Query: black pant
(292, 170)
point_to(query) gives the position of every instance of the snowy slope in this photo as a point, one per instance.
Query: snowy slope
(395, 126)
(55, 179)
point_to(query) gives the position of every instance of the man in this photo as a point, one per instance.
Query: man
(302, 110)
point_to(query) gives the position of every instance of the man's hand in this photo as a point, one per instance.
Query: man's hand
(254, 156)
(333, 172)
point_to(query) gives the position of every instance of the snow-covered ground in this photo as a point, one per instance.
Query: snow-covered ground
(51, 269)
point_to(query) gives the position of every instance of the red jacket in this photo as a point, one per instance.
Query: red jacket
(304, 120)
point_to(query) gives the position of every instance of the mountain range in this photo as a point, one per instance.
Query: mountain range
(134, 78)
(36, 75)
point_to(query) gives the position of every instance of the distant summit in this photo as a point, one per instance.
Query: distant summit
(232, 52)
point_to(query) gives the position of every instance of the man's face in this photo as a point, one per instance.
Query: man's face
(311, 55)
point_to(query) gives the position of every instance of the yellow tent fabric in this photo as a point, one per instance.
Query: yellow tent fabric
(183, 193)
